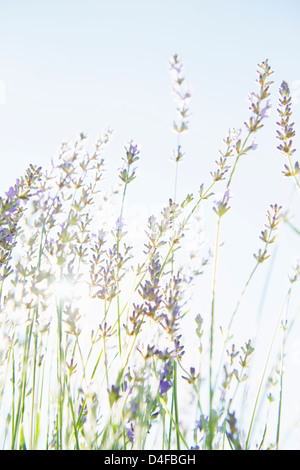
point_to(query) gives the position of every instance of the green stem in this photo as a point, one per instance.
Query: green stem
(281, 386)
(104, 348)
(13, 397)
(280, 402)
(211, 387)
(118, 254)
(176, 405)
(22, 395)
(33, 406)
(163, 403)
(73, 418)
(60, 377)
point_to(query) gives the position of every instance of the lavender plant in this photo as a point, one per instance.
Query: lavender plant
(93, 335)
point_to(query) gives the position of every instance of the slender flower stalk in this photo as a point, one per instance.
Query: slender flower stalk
(127, 175)
(221, 207)
(211, 346)
(182, 96)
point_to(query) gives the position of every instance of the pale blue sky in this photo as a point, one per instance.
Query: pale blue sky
(71, 66)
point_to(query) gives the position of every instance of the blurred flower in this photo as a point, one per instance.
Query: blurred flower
(254, 145)
(182, 95)
(120, 223)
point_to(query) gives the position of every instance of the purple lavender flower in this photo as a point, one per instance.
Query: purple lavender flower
(164, 386)
(165, 382)
(132, 153)
(11, 193)
(127, 174)
(130, 432)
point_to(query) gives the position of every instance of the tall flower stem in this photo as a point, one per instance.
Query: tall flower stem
(60, 378)
(104, 348)
(211, 346)
(118, 255)
(175, 396)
